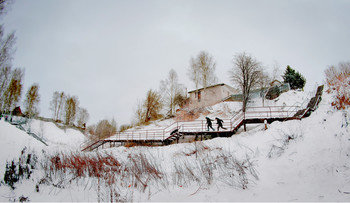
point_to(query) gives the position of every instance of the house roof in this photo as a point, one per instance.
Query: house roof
(221, 84)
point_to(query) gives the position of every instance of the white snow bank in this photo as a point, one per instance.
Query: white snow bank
(13, 141)
(55, 137)
(312, 166)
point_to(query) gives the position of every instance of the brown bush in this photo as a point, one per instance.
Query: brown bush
(338, 81)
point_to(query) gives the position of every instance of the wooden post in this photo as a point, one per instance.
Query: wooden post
(244, 123)
(265, 122)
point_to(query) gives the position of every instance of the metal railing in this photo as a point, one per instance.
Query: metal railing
(162, 134)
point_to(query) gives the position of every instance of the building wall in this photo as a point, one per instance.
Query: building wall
(210, 96)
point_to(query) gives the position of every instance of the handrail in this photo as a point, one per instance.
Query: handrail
(231, 124)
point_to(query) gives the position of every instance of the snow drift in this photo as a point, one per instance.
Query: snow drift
(299, 160)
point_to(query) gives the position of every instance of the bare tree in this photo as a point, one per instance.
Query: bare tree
(5, 75)
(82, 117)
(276, 73)
(71, 106)
(179, 99)
(57, 103)
(54, 104)
(6, 55)
(4, 4)
(263, 82)
(12, 95)
(245, 74)
(32, 101)
(170, 89)
(105, 129)
(194, 73)
(139, 113)
(202, 70)
(6, 48)
(150, 108)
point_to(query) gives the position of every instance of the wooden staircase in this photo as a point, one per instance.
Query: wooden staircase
(180, 129)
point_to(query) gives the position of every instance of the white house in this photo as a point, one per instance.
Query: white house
(210, 95)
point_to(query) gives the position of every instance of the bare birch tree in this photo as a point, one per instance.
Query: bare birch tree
(4, 4)
(6, 52)
(202, 70)
(105, 129)
(71, 106)
(263, 82)
(276, 73)
(170, 89)
(82, 117)
(194, 73)
(6, 48)
(245, 74)
(5, 75)
(57, 104)
(32, 101)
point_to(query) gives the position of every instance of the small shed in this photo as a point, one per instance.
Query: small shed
(17, 111)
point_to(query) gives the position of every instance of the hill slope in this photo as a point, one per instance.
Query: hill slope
(305, 160)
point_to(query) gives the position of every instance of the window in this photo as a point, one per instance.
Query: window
(199, 96)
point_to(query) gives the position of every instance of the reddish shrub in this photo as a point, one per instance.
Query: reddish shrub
(82, 165)
(338, 81)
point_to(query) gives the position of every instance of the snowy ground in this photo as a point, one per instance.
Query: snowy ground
(312, 165)
(159, 130)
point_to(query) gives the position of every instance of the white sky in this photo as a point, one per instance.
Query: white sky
(109, 53)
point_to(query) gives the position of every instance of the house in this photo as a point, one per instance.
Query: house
(17, 111)
(210, 95)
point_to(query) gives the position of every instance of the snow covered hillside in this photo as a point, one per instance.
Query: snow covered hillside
(298, 160)
(225, 110)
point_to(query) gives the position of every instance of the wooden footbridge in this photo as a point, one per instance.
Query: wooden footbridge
(198, 128)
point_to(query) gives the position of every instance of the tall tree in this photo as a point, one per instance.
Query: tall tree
(71, 106)
(170, 89)
(194, 73)
(245, 74)
(264, 81)
(82, 117)
(150, 108)
(10, 87)
(105, 129)
(202, 70)
(5, 75)
(6, 48)
(4, 4)
(32, 101)
(276, 73)
(57, 104)
(6, 55)
(12, 94)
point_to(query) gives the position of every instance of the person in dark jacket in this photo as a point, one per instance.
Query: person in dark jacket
(209, 124)
(219, 122)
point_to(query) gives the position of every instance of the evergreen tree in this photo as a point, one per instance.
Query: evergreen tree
(295, 79)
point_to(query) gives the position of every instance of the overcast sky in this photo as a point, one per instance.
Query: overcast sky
(109, 53)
